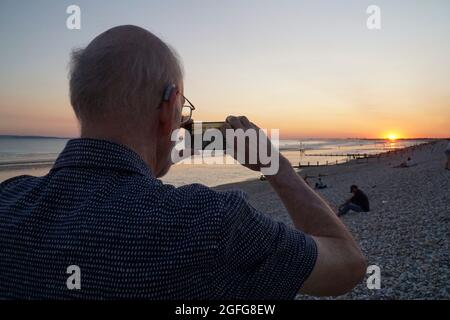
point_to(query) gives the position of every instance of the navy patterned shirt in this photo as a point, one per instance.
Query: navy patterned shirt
(101, 209)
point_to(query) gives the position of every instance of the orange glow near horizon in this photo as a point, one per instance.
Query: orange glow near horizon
(392, 136)
(57, 119)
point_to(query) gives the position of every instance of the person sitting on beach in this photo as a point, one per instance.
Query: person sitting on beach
(359, 202)
(320, 184)
(408, 163)
(102, 215)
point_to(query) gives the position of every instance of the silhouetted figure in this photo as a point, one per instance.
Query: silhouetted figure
(358, 202)
(406, 164)
(320, 184)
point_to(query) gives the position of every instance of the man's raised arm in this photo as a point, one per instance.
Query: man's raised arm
(340, 263)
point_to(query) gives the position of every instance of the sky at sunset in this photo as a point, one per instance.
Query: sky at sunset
(308, 68)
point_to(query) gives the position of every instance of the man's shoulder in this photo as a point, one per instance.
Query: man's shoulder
(18, 182)
(158, 192)
(198, 195)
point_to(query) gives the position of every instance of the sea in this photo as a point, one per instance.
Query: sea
(22, 152)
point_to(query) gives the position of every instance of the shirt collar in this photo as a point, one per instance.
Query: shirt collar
(94, 153)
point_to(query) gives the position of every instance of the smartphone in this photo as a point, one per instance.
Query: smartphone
(194, 132)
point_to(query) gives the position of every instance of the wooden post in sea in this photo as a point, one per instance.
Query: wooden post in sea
(327, 162)
(317, 163)
(300, 150)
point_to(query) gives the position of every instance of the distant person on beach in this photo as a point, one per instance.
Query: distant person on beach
(447, 153)
(408, 163)
(320, 184)
(102, 214)
(359, 202)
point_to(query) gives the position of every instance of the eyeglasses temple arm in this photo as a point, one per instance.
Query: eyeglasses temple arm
(192, 106)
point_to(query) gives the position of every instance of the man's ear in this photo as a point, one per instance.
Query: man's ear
(167, 108)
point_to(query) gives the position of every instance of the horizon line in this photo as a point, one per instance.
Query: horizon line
(304, 138)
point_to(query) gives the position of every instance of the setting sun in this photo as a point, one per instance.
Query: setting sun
(392, 136)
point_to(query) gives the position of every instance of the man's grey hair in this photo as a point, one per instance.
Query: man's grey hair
(122, 73)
